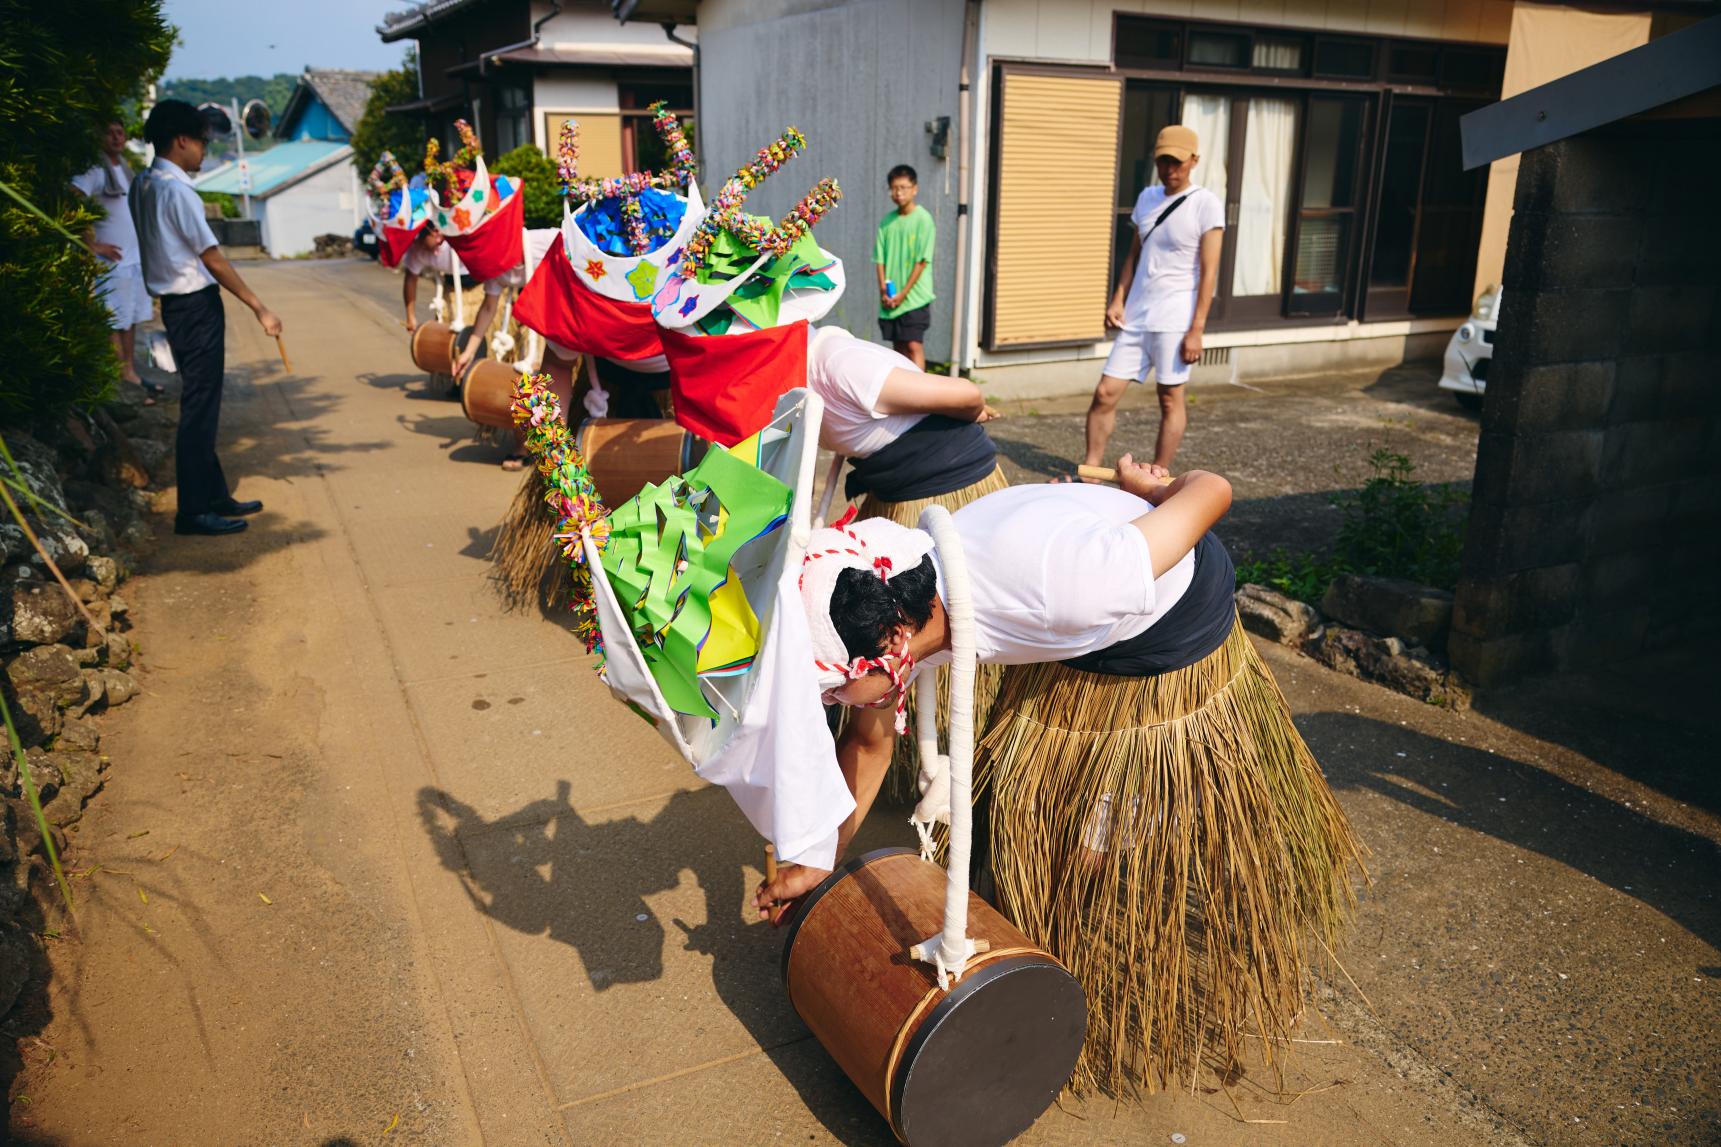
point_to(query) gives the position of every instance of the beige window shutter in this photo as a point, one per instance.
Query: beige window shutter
(1056, 187)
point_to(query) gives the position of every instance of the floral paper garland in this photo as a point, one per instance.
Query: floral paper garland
(568, 491)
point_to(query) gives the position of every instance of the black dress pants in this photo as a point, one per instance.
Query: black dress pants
(197, 332)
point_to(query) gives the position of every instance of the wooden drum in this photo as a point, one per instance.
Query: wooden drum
(623, 454)
(487, 395)
(974, 1065)
(433, 348)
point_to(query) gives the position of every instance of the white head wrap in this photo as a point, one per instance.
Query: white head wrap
(877, 545)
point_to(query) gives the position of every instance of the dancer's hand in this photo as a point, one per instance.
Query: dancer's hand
(1145, 480)
(270, 320)
(987, 414)
(792, 882)
(1114, 315)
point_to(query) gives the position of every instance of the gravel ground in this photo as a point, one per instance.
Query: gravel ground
(1287, 446)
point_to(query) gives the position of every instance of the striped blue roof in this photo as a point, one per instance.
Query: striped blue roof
(270, 169)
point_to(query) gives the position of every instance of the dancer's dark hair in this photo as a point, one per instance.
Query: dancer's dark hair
(170, 119)
(865, 607)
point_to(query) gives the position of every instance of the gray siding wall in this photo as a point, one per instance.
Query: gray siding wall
(860, 79)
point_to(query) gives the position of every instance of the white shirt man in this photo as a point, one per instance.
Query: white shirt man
(114, 240)
(182, 263)
(1159, 307)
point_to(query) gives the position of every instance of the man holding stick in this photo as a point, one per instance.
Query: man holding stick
(184, 267)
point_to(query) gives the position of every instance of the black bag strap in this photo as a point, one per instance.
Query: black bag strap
(1166, 214)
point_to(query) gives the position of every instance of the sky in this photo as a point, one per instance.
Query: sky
(263, 37)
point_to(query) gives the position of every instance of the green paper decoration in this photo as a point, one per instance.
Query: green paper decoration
(761, 296)
(669, 563)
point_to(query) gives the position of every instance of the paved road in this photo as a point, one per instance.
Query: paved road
(381, 863)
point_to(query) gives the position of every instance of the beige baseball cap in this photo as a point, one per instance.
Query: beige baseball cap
(1176, 141)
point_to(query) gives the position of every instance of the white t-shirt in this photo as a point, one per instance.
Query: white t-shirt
(848, 373)
(420, 260)
(108, 184)
(1056, 571)
(172, 231)
(1162, 297)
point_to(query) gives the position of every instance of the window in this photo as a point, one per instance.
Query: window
(1279, 54)
(1339, 59)
(513, 117)
(1412, 63)
(1219, 49)
(1326, 216)
(1146, 44)
(1146, 109)
(642, 147)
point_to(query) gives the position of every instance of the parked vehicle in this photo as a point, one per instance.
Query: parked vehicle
(365, 241)
(1471, 351)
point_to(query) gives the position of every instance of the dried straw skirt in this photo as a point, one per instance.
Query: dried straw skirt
(1172, 840)
(905, 769)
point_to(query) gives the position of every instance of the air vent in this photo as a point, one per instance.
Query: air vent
(1215, 356)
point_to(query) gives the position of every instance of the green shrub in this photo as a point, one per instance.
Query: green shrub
(543, 190)
(378, 131)
(65, 71)
(1394, 526)
(228, 205)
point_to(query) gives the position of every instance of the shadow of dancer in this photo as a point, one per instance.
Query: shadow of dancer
(572, 880)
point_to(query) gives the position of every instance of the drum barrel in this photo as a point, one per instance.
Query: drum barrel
(973, 1065)
(624, 454)
(487, 393)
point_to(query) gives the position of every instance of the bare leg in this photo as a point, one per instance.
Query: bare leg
(915, 352)
(1102, 417)
(1173, 417)
(123, 347)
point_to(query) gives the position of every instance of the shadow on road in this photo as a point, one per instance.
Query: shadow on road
(562, 876)
(1665, 867)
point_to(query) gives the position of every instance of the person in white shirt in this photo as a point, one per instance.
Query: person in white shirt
(429, 254)
(1146, 809)
(183, 266)
(114, 240)
(1164, 290)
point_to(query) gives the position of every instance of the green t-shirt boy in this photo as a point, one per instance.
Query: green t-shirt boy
(902, 255)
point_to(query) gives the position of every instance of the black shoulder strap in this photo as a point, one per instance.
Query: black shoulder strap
(1166, 214)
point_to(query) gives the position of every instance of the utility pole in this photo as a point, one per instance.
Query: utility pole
(244, 168)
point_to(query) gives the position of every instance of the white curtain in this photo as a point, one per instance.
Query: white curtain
(1264, 208)
(1210, 118)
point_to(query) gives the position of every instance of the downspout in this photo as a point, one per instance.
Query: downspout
(698, 128)
(964, 186)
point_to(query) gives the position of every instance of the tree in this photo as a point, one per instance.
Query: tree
(543, 206)
(378, 132)
(65, 71)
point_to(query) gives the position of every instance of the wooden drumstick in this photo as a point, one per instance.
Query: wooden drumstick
(1108, 474)
(770, 863)
(282, 347)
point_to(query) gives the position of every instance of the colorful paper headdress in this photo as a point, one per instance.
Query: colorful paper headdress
(693, 587)
(485, 223)
(621, 234)
(398, 211)
(741, 273)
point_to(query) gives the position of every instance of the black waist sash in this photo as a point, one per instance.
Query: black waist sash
(1190, 630)
(937, 455)
(630, 390)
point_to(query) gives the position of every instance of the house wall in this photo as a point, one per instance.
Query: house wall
(861, 80)
(1595, 529)
(329, 202)
(1548, 41)
(318, 122)
(1082, 33)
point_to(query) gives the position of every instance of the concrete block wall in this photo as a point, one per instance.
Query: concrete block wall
(1595, 529)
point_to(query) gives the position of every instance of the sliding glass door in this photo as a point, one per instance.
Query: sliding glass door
(1328, 205)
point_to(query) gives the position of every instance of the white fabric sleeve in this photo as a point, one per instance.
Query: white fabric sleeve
(88, 182)
(859, 369)
(1104, 575)
(494, 286)
(185, 215)
(1212, 212)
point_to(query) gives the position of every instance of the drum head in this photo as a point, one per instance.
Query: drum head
(991, 1057)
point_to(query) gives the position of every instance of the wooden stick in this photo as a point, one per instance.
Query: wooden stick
(1108, 474)
(282, 347)
(770, 863)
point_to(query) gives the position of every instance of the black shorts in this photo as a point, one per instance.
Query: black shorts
(908, 327)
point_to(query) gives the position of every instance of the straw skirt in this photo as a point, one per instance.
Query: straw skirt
(905, 767)
(1172, 840)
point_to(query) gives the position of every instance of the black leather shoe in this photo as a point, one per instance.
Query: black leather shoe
(212, 524)
(233, 508)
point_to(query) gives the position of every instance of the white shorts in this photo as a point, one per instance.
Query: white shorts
(127, 301)
(1134, 353)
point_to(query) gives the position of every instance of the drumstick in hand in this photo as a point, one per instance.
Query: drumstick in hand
(1107, 474)
(282, 347)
